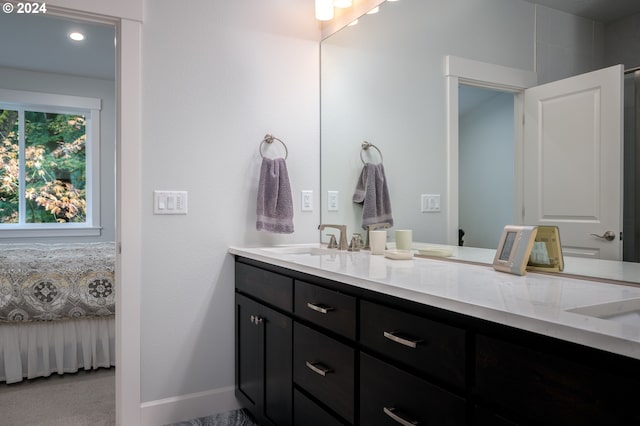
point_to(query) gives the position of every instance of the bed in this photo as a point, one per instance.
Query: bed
(57, 309)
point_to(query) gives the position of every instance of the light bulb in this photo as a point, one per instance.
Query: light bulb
(324, 10)
(342, 3)
(76, 36)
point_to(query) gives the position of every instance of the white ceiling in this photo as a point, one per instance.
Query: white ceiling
(41, 43)
(599, 10)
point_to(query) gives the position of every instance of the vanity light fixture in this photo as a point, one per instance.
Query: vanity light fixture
(374, 10)
(324, 10)
(342, 3)
(76, 36)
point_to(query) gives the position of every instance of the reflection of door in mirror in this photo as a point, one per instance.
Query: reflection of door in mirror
(570, 170)
(631, 178)
(573, 161)
(486, 154)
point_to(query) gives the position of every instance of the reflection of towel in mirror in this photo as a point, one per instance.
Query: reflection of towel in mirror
(373, 194)
(275, 203)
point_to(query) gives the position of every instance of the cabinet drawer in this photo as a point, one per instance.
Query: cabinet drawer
(536, 387)
(324, 367)
(389, 396)
(428, 346)
(326, 308)
(308, 413)
(274, 289)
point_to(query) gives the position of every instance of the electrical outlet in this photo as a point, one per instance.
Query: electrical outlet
(430, 203)
(307, 201)
(332, 201)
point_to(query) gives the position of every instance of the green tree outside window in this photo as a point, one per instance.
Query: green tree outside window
(54, 167)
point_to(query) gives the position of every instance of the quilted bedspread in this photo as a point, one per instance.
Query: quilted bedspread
(43, 282)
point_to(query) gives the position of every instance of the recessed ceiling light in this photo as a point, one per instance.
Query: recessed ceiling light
(76, 36)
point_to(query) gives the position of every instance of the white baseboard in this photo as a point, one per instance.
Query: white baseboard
(186, 407)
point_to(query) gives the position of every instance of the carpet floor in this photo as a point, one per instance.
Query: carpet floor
(79, 399)
(86, 398)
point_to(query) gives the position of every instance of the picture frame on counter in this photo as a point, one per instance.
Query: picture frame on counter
(514, 249)
(546, 254)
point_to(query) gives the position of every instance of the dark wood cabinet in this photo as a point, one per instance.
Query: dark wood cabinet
(390, 396)
(434, 348)
(311, 351)
(326, 308)
(536, 386)
(308, 413)
(271, 288)
(264, 380)
(325, 368)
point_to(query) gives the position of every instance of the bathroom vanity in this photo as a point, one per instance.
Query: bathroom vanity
(347, 338)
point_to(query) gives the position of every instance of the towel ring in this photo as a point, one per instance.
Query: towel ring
(365, 146)
(268, 138)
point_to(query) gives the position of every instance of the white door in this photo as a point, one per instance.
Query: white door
(573, 161)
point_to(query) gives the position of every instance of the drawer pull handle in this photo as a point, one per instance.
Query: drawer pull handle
(404, 340)
(395, 415)
(318, 368)
(323, 309)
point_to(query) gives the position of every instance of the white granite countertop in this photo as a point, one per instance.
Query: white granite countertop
(606, 270)
(535, 302)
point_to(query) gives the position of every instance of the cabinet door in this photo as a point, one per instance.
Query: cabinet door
(263, 361)
(538, 387)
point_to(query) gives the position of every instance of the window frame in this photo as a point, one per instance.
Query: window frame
(67, 104)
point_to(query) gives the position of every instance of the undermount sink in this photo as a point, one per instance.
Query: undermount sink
(305, 250)
(623, 311)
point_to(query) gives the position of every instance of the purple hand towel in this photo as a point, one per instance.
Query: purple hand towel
(372, 192)
(275, 203)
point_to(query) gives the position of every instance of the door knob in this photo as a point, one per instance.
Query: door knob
(609, 236)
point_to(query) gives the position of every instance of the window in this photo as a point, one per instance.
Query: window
(48, 164)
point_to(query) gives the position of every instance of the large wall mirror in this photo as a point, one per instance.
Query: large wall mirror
(384, 80)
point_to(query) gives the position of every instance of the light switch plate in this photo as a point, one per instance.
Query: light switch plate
(306, 201)
(169, 202)
(430, 203)
(332, 201)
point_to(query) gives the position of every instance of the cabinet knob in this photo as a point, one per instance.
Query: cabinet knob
(256, 320)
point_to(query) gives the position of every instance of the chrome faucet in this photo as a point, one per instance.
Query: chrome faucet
(342, 245)
(372, 227)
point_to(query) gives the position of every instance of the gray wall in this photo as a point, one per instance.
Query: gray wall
(622, 41)
(217, 76)
(486, 169)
